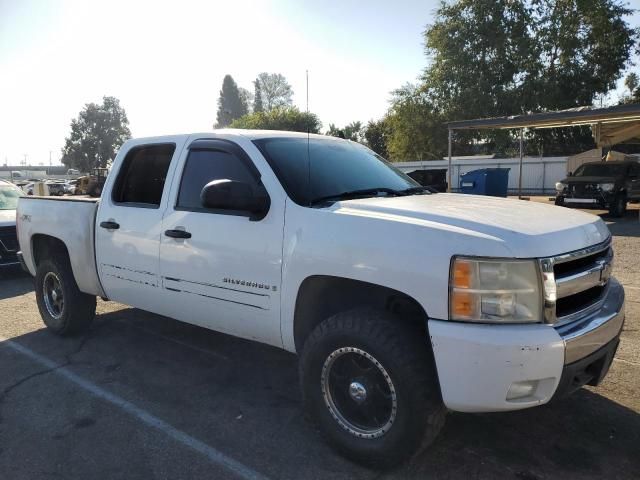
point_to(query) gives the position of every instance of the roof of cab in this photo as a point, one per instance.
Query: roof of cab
(249, 134)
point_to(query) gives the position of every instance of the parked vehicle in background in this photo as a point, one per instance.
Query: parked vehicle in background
(290, 239)
(70, 187)
(56, 189)
(605, 185)
(9, 195)
(73, 171)
(92, 184)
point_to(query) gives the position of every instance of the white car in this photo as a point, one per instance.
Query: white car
(400, 303)
(9, 195)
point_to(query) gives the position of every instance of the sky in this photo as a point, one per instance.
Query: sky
(165, 61)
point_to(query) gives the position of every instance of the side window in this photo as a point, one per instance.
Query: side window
(142, 175)
(634, 170)
(203, 166)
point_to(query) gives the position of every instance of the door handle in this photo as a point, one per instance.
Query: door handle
(177, 234)
(110, 225)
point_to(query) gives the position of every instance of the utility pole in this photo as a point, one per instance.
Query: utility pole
(49, 157)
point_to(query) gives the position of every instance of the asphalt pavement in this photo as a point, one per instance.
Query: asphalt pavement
(145, 397)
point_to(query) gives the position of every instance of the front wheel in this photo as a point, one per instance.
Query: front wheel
(369, 382)
(618, 206)
(64, 309)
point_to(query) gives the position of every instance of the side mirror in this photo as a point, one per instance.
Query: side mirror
(233, 195)
(570, 174)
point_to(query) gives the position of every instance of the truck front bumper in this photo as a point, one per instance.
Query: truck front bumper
(489, 368)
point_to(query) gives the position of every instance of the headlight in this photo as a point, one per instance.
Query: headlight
(494, 291)
(606, 187)
(560, 186)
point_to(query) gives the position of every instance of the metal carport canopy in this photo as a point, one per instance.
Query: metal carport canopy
(610, 125)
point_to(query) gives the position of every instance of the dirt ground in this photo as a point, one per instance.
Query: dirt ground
(145, 397)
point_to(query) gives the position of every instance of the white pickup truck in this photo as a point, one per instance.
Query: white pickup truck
(401, 303)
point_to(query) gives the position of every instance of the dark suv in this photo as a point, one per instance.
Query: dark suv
(605, 185)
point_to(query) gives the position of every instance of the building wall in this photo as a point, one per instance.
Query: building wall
(539, 175)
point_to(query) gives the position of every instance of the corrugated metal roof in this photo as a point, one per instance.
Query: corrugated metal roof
(563, 118)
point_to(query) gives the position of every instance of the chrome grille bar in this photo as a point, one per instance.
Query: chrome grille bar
(575, 281)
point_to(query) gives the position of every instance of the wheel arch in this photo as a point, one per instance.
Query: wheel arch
(43, 246)
(321, 296)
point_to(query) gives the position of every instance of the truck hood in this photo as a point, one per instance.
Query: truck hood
(525, 228)
(7, 218)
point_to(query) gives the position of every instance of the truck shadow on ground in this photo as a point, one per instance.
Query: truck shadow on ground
(626, 226)
(243, 398)
(14, 282)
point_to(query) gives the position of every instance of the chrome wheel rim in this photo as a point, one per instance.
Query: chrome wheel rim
(358, 392)
(53, 295)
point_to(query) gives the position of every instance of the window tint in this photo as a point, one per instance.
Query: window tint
(333, 166)
(143, 174)
(634, 170)
(202, 167)
(601, 169)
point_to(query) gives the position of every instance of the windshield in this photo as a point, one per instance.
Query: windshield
(9, 197)
(321, 168)
(600, 170)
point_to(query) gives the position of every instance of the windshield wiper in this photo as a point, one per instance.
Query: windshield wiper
(420, 189)
(357, 193)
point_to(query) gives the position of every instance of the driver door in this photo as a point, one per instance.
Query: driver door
(224, 272)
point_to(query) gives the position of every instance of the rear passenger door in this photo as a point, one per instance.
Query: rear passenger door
(226, 275)
(129, 223)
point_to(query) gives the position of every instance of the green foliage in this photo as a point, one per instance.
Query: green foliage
(96, 135)
(257, 96)
(246, 97)
(352, 131)
(415, 129)
(275, 91)
(631, 82)
(376, 135)
(230, 103)
(507, 57)
(280, 118)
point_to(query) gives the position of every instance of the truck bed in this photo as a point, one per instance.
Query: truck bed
(70, 220)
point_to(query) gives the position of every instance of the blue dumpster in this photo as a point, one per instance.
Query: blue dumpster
(486, 181)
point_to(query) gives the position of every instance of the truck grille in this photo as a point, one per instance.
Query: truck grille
(583, 188)
(8, 245)
(581, 279)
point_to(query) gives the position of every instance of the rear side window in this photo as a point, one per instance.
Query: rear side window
(204, 166)
(143, 174)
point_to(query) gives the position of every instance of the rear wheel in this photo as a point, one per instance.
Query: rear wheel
(369, 382)
(64, 309)
(618, 205)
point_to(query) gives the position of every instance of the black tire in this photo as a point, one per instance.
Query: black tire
(405, 356)
(618, 206)
(77, 309)
(559, 201)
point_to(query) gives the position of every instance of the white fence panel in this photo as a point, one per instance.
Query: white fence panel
(539, 175)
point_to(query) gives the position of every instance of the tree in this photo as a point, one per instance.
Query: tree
(275, 91)
(230, 104)
(353, 131)
(257, 96)
(246, 97)
(376, 135)
(631, 82)
(280, 118)
(506, 57)
(96, 135)
(415, 128)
